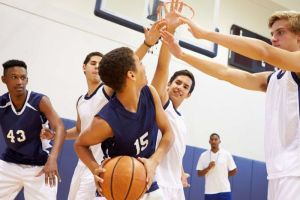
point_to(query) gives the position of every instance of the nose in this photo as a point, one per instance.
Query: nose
(274, 39)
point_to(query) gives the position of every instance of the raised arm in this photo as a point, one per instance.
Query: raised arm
(246, 80)
(252, 48)
(165, 142)
(51, 169)
(160, 79)
(151, 37)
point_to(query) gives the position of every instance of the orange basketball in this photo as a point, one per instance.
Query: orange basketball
(124, 178)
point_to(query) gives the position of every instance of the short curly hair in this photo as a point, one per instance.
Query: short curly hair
(114, 66)
(13, 63)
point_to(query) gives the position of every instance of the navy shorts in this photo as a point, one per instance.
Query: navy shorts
(218, 196)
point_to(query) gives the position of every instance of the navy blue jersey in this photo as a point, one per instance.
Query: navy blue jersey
(21, 130)
(134, 133)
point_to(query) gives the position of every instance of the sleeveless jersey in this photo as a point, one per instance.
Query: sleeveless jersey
(87, 108)
(21, 130)
(169, 169)
(282, 128)
(134, 133)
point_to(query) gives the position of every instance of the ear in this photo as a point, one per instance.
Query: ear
(131, 75)
(3, 79)
(83, 68)
(189, 94)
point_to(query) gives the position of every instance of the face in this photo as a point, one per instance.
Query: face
(140, 73)
(179, 89)
(214, 141)
(16, 80)
(91, 69)
(283, 38)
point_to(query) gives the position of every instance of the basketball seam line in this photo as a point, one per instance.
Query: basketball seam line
(111, 185)
(132, 175)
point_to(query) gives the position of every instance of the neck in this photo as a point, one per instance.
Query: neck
(129, 98)
(92, 87)
(215, 149)
(19, 101)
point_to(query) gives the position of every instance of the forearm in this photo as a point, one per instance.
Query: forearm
(59, 139)
(204, 171)
(72, 133)
(164, 145)
(86, 156)
(142, 50)
(250, 47)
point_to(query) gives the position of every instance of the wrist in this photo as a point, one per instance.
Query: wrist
(147, 44)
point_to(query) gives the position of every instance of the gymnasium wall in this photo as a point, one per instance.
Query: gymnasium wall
(53, 36)
(250, 183)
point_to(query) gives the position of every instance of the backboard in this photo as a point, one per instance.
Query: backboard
(136, 14)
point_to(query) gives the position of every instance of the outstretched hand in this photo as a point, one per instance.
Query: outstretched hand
(195, 30)
(153, 34)
(173, 14)
(173, 46)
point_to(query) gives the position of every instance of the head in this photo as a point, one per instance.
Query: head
(120, 67)
(15, 77)
(285, 30)
(91, 66)
(214, 141)
(181, 85)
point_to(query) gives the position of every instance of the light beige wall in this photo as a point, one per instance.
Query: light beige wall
(53, 36)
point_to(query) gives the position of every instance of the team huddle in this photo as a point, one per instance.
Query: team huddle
(122, 114)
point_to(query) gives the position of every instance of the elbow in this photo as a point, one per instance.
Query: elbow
(200, 173)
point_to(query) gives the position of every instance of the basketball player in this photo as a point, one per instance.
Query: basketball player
(170, 173)
(216, 165)
(282, 128)
(82, 184)
(24, 162)
(88, 105)
(128, 124)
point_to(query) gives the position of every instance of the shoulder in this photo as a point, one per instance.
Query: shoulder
(4, 99)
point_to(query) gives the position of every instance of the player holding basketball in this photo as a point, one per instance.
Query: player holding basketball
(25, 163)
(170, 173)
(128, 124)
(282, 126)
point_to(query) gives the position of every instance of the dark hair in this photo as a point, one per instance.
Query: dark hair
(13, 63)
(184, 72)
(114, 66)
(88, 57)
(214, 134)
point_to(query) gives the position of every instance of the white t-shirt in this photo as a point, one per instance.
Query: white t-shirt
(282, 128)
(216, 180)
(168, 172)
(87, 108)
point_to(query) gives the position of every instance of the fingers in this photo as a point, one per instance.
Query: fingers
(98, 181)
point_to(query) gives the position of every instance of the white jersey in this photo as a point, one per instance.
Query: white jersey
(169, 170)
(216, 180)
(87, 108)
(282, 129)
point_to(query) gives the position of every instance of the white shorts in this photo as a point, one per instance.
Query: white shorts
(287, 188)
(172, 194)
(155, 195)
(15, 176)
(83, 185)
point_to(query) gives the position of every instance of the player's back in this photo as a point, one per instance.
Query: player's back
(134, 133)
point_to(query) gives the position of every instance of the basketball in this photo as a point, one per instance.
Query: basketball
(124, 178)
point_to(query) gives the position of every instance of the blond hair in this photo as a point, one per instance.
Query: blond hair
(292, 17)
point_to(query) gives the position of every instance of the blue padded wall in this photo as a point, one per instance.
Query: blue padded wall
(249, 184)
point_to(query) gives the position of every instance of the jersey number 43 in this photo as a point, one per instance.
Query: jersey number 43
(19, 135)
